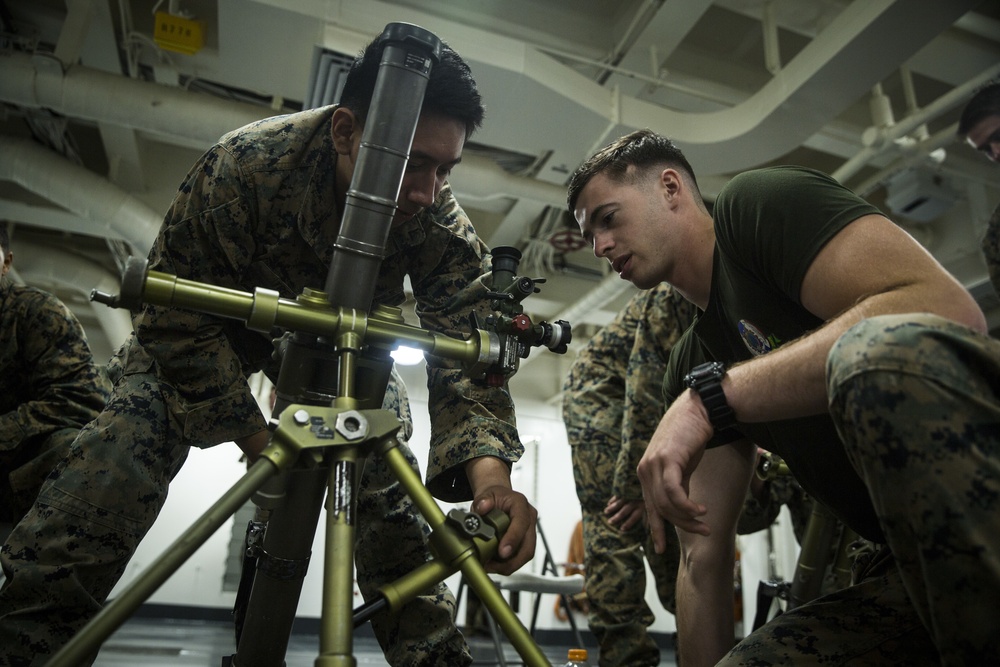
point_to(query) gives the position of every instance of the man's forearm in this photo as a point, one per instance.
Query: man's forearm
(790, 382)
(253, 444)
(485, 472)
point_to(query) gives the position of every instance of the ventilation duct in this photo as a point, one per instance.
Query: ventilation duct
(919, 195)
(326, 78)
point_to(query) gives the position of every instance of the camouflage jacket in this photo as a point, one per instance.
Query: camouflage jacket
(991, 249)
(615, 381)
(48, 378)
(663, 317)
(258, 210)
(594, 388)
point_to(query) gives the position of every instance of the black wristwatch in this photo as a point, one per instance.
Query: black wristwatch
(706, 380)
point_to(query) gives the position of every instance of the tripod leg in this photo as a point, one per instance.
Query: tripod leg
(471, 568)
(248, 568)
(497, 644)
(336, 639)
(88, 640)
(281, 568)
(813, 557)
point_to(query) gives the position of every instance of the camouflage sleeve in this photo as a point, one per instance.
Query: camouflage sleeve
(468, 419)
(207, 236)
(662, 317)
(991, 249)
(65, 389)
(592, 403)
(594, 387)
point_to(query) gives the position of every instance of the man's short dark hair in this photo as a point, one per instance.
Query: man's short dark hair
(984, 103)
(641, 149)
(5, 235)
(451, 90)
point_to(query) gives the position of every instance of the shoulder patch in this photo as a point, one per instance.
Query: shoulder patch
(755, 341)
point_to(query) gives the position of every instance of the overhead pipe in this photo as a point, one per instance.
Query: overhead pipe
(878, 139)
(772, 46)
(910, 96)
(482, 178)
(662, 32)
(724, 132)
(859, 47)
(200, 119)
(51, 266)
(112, 212)
(822, 80)
(195, 120)
(640, 18)
(914, 154)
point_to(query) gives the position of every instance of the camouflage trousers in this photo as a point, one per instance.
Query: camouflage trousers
(63, 559)
(916, 401)
(23, 471)
(615, 574)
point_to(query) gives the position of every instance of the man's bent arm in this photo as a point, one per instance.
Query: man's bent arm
(871, 267)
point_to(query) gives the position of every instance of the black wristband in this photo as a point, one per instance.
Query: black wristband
(706, 381)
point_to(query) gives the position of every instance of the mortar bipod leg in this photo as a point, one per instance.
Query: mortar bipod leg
(281, 569)
(472, 569)
(86, 642)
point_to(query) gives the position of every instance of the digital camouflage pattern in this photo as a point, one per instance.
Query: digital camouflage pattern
(50, 388)
(664, 316)
(991, 249)
(916, 400)
(257, 210)
(594, 407)
(867, 624)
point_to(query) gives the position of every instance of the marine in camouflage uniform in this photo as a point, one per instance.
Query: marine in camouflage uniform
(991, 249)
(599, 416)
(50, 388)
(979, 126)
(664, 315)
(820, 309)
(255, 211)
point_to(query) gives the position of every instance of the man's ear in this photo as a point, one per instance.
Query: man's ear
(671, 182)
(345, 124)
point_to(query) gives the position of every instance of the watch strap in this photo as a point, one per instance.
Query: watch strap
(706, 381)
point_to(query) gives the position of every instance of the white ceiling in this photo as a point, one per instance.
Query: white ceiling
(99, 124)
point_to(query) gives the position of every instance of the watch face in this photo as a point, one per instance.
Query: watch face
(706, 381)
(703, 372)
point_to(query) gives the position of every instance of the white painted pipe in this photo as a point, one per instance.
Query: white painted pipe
(111, 212)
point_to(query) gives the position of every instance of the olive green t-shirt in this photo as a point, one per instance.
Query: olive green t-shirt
(770, 224)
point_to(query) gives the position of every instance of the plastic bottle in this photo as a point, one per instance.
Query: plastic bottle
(577, 657)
